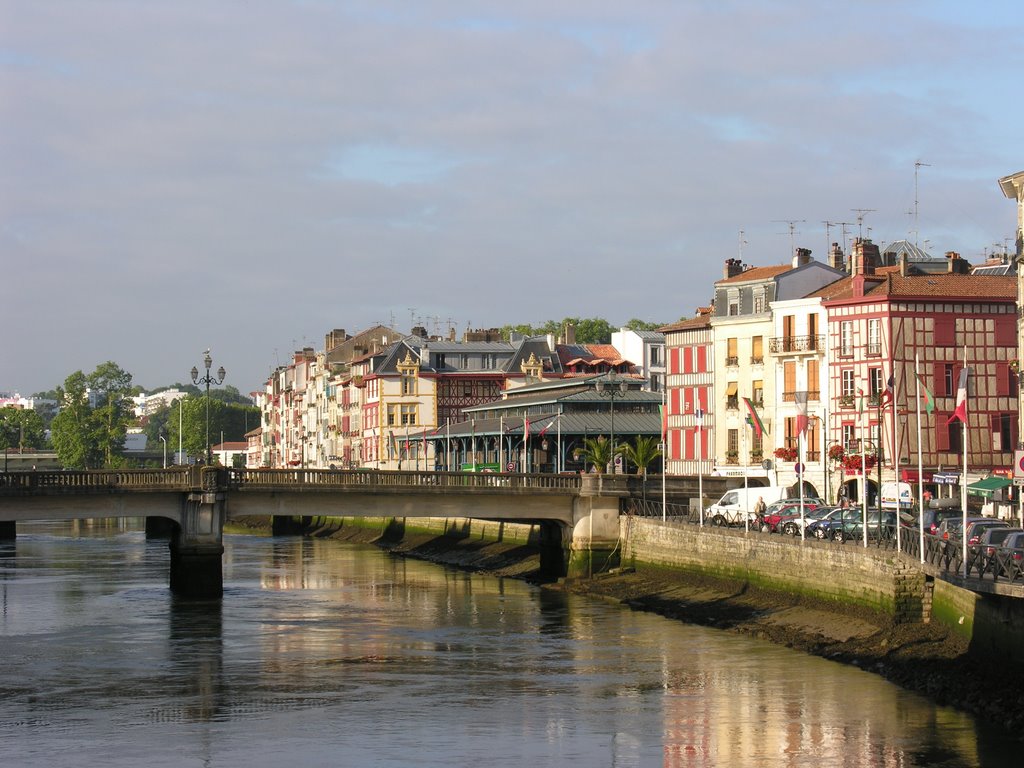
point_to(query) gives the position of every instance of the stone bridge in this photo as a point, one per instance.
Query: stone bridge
(579, 514)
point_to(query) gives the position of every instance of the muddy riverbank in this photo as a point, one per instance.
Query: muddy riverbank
(925, 658)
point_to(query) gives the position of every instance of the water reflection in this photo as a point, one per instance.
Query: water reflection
(322, 653)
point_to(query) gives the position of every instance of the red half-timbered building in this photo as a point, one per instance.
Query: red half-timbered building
(690, 383)
(888, 325)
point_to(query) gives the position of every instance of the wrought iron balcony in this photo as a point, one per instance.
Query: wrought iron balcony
(782, 345)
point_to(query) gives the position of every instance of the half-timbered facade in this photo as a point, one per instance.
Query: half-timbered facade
(889, 326)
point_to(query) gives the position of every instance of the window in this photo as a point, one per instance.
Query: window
(812, 450)
(948, 381)
(732, 401)
(439, 360)
(733, 441)
(757, 350)
(846, 338)
(408, 383)
(789, 380)
(849, 441)
(812, 330)
(874, 336)
(408, 413)
(788, 328)
(955, 437)
(734, 302)
(791, 439)
(756, 444)
(849, 388)
(656, 355)
(813, 380)
(732, 355)
(760, 301)
(875, 382)
(1002, 432)
(757, 391)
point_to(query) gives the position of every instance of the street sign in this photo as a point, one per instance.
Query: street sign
(510, 466)
(1018, 464)
(1018, 481)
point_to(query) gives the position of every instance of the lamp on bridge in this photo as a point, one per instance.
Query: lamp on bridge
(611, 387)
(208, 379)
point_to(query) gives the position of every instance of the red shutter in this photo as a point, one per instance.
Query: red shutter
(1002, 379)
(674, 403)
(688, 400)
(702, 359)
(941, 432)
(939, 380)
(673, 360)
(1006, 331)
(945, 331)
(673, 441)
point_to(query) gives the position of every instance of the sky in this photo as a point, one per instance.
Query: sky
(246, 176)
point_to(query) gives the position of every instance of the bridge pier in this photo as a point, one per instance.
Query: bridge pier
(8, 530)
(197, 548)
(595, 535)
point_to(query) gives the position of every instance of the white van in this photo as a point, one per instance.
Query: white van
(897, 495)
(730, 509)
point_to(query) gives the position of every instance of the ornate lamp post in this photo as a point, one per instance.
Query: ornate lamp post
(208, 379)
(612, 388)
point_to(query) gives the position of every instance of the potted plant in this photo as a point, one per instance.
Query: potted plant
(786, 454)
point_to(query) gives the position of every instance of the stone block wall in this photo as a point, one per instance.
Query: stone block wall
(843, 574)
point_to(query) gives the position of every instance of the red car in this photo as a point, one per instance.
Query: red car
(775, 520)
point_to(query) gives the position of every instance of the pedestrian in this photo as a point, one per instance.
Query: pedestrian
(759, 509)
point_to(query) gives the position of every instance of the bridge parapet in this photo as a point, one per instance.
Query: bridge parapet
(313, 480)
(97, 481)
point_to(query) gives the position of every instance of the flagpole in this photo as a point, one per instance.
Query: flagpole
(559, 462)
(664, 452)
(963, 484)
(501, 443)
(920, 459)
(801, 452)
(863, 474)
(896, 456)
(746, 488)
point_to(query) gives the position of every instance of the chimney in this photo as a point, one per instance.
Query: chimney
(419, 331)
(570, 333)
(836, 257)
(733, 267)
(903, 264)
(957, 265)
(865, 257)
(334, 338)
(801, 257)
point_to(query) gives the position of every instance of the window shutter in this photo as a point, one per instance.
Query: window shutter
(1002, 379)
(941, 432)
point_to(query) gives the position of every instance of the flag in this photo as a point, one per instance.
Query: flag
(753, 419)
(800, 398)
(929, 398)
(860, 401)
(888, 395)
(547, 427)
(960, 412)
(698, 416)
(526, 428)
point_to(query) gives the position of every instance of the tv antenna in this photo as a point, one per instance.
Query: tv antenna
(741, 244)
(861, 213)
(917, 166)
(792, 230)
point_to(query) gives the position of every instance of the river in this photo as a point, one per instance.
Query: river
(323, 653)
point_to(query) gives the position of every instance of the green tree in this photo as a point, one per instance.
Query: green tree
(596, 451)
(22, 429)
(641, 453)
(111, 387)
(643, 325)
(71, 430)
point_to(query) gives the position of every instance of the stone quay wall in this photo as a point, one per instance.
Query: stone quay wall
(837, 574)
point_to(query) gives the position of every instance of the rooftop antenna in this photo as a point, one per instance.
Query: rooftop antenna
(917, 166)
(412, 317)
(742, 243)
(861, 213)
(792, 230)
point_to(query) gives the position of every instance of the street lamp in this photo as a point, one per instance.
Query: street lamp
(164, 441)
(611, 391)
(208, 379)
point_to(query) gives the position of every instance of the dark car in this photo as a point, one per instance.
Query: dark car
(978, 527)
(949, 529)
(1010, 556)
(852, 526)
(933, 518)
(994, 537)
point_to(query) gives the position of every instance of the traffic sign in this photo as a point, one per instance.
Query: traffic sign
(1018, 464)
(510, 467)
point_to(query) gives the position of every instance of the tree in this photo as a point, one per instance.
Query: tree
(596, 451)
(22, 429)
(88, 437)
(111, 387)
(72, 428)
(643, 325)
(641, 453)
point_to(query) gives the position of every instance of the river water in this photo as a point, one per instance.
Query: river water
(323, 653)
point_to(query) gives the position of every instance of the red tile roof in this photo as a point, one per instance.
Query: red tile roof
(888, 281)
(701, 321)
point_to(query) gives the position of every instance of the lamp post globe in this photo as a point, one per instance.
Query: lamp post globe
(208, 379)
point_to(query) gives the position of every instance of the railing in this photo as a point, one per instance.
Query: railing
(732, 361)
(216, 478)
(789, 344)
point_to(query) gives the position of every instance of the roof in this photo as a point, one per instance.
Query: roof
(756, 273)
(701, 321)
(888, 282)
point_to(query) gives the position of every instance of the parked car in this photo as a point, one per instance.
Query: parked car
(792, 525)
(1011, 556)
(933, 518)
(994, 537)
(835, 519)
(949, 529)
(852, 526)
(978, 527)
(780, 514)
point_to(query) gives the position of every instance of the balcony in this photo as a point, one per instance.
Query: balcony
(732, 403)
(813, 396)
(787, 345)
(873, 350)
(732, 361)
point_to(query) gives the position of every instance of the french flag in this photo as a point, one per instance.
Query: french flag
(960, 412)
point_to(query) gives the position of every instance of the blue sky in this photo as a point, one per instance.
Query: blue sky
(248, 176)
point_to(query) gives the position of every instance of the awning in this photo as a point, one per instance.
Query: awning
(732, 388)
(989, 485)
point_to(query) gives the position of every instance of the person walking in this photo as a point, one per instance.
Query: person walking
(759, 509)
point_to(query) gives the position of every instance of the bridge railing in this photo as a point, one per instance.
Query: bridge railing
(48, 481)
(329, 479)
